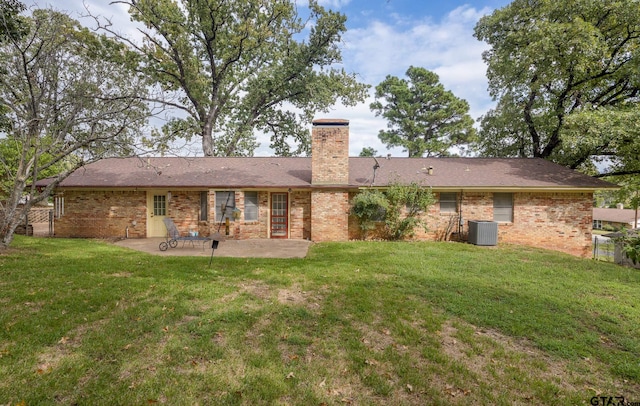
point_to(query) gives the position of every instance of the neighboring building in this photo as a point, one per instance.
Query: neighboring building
(534, 202)
(614, 219)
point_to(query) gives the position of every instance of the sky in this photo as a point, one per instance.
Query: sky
(384, 37)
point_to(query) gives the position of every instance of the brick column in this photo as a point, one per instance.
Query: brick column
(330, 180)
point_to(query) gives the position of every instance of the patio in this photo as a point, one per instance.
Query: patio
(254, 248)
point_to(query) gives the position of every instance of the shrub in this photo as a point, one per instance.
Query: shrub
(406, 204)
(369, 207)
(631, 247)
(400, 207)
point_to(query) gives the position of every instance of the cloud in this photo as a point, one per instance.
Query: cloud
(333, 4)
(389, 47)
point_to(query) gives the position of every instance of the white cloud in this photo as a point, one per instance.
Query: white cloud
(386, 48)
(333, 4)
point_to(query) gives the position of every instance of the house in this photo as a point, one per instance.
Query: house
(614, 219)
(533, 201)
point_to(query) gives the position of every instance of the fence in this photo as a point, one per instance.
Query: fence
(603, 248)
(39, 215)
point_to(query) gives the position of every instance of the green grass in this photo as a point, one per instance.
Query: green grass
(86, 322)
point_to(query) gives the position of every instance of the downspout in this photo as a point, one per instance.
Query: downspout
(460, 219)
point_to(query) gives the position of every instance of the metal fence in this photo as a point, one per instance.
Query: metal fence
(603, 248)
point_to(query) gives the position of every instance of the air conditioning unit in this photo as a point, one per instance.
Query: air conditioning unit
(483, 232)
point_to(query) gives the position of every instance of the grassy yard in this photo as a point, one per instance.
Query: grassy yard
(85, 322)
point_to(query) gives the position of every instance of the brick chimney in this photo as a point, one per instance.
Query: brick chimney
(330, 152)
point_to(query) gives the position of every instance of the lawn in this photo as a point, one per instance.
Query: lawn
(86, 322)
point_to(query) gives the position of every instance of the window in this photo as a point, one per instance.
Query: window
(448, 202)
(204, 206)
(58, 202)
(379, 215)
(225, 203)
(503, 207)
(159, 205)
(250, 206)
(597, 224)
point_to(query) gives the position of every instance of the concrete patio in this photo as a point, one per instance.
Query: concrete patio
(255, 248)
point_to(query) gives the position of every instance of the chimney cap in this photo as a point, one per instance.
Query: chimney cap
(331, 121)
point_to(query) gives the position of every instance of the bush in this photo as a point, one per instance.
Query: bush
(400, 206)
(630, 246)
(370, 208)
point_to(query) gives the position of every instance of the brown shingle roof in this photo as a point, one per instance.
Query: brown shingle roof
(278, 172)
(474, 173)
(626, 216)
(201, 172)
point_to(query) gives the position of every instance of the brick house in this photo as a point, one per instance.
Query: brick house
(615, 219)
(533, 201)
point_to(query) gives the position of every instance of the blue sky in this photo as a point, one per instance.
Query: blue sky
(385, 37)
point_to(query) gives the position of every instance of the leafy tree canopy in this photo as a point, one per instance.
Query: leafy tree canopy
(232, 67)
(566, 75)
(368, 151)
(68, 99)
(12, 24)
(422, 117)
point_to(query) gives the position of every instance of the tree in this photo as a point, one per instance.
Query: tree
(70, 100)
(231, 67)
(368, 151)
(12, 24)
(12, 27)
(422, 116)
(566, 75)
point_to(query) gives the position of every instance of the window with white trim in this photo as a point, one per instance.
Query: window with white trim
(250, 206)
(204, 206)
(58, 206)
(225, 204)
(503, 207)
(448, 202)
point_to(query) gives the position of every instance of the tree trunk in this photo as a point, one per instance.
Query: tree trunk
(207, 139)
(8, 223)
(11, 216)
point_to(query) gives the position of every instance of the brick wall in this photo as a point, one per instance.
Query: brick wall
(300, 215)
(330, 152)
(329, 219)
(243, 229)
(107, 214)
(103, 214)
(329, 215)
(184, 209)
(555, 221)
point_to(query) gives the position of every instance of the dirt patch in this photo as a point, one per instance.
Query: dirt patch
(296, 296)
(257, 289)
(376, 340)
(121, 275)
(53, 356)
